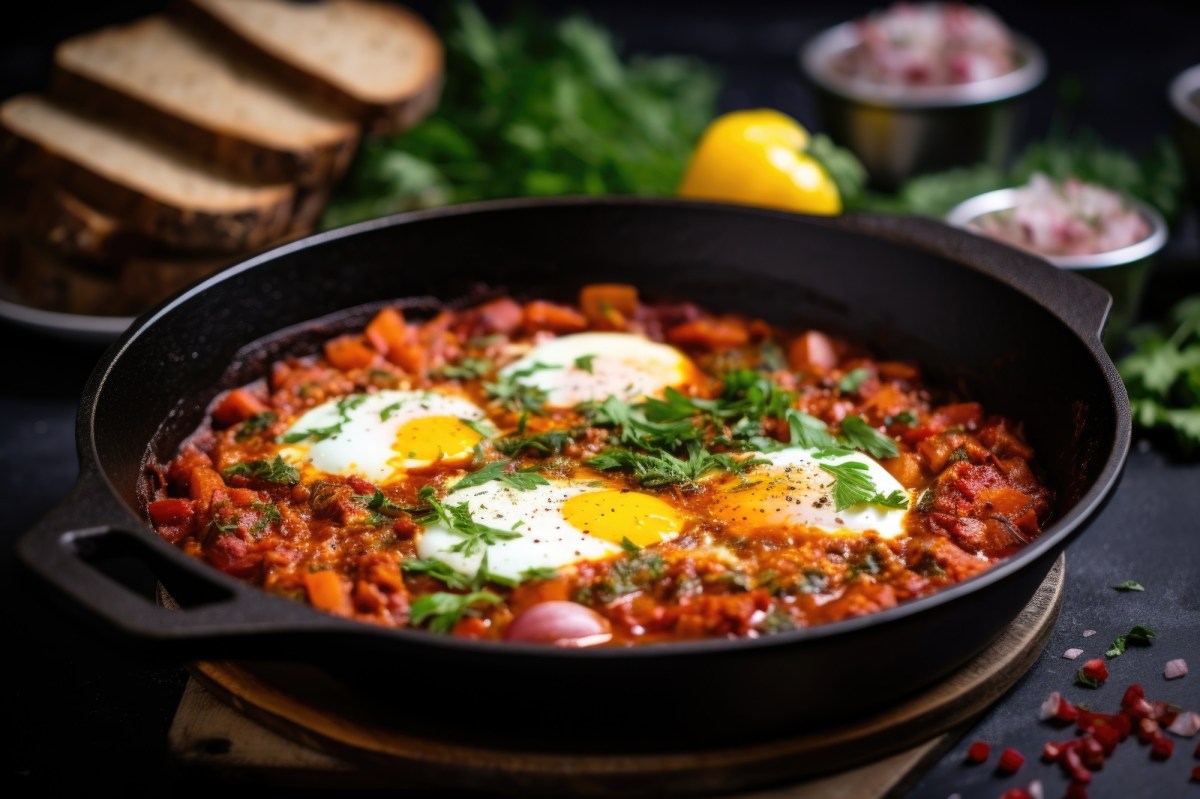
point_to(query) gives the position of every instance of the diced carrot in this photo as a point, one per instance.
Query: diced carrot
(388, 334)
(608, 304)
(905, 467)
(471, 627)
(812, 352)
(326, 592)
(387, 331)
(937, 449)
(542, 315)
(1007, 502)
(243, 497)
(348, 352)
(713, 334)
(237, 406)
(171, 511)
(202, 484)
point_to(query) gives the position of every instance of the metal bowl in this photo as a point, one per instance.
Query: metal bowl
(1122, 273)
(1185, 99)
(902, 131)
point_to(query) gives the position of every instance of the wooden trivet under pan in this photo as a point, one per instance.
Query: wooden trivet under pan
(277, 724)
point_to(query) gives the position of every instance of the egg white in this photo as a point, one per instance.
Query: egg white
(791, 490)
(546, 539)
(365, 443)
(623, 365)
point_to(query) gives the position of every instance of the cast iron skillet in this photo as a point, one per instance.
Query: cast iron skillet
(1006, 328)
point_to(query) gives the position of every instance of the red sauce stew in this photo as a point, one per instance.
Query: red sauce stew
(612, 472)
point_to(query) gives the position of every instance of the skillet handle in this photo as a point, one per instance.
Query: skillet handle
(218, 616)
(1079, 302)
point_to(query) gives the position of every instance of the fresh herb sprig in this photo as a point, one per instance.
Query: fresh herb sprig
(457, 519)
(522, 480)
(343, 408)
(274, 471)
(535, 108)
(1162, 374)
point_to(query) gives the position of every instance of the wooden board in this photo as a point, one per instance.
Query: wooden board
(294, 727)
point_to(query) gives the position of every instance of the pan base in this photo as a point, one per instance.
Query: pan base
(278, 724)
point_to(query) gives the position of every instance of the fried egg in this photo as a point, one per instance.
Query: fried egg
(381, 436)
(792, 491)
(593, 366)
(554, 525)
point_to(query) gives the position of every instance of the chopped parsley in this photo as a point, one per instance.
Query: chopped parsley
(1137, 636)
(1087, 682)
(517, 396)
(904, 417)
(1129, 585)
(959, 454)
(522, 480)
(457, 518)
(267, 513)
(466, 369)
(479, 426)
(276, 471)
(444, 610)
(344, 406)
(852, 380)
(437, 569)
(584, 362)
(860, 435)
(808, 431)
(550, 442)
(853, 486)
(256, 425)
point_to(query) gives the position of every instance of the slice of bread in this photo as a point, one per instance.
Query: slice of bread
(169, 82)
(377, 60)
(79, 230)
(154, 190)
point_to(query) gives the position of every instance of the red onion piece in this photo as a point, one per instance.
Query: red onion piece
(561, 624)
(1185, 724)
(1175, 669)
(1088, 633)
(1072, 653)
(1050, 706)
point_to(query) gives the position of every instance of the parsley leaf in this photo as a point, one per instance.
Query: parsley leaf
(853, 486)
(1162, 375)
(550, 442)
(1086, 681)
(1137, 635)
(343, 408)
(466, 369)
(437, 569)
(255, 425)
(517, 396)
(1129, 585)
(584, 362)
(808, 431)
(852, 380)
(524, 480)
(276, 471)
(860, 435)
(444, 610)
(535, 107)
(457, 518)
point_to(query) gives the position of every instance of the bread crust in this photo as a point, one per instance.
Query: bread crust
(376, 117)
(229, 150)
(192, 229)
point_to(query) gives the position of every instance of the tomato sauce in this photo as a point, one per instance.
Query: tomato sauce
(349, 545)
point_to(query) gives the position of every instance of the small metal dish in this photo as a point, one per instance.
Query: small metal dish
(902, 131)
(1122, 273)
(1185, 99)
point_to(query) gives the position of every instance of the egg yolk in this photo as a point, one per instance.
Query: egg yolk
(433, 438)
(616, 515)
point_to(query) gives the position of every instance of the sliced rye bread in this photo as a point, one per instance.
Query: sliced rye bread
(154, 190)
(36, 273)
(378, 61)
(180, 87)
(78, 230)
